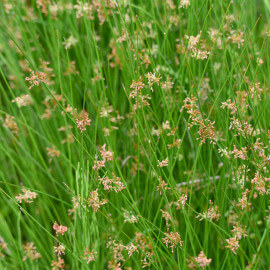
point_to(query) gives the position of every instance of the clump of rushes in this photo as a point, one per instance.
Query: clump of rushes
(134, 134)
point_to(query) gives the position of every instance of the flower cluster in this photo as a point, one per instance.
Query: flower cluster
(60, 249)
(260, 183)
(27, 196)
(11, 124)
(129, 217)
(112, 184)
(106, 155)
(162, 186)
(233, 242)
(184, 3)
(94, 202)
(59, 229)
(172, 239)
(183, 200)
(83, 121)
(30, 252)
(23, 100)
(36, 79)
(137, 94)
(206, 127)
(59, 264)
(166, 215)
(197, 47)
(89, 256)
(201, 261)
(212, 213)
(163, 163)
(3, 248)
(52, 152)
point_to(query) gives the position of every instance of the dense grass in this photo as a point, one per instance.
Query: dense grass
(178, 160)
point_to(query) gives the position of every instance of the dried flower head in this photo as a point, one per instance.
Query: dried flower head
(137, 94)
(70, 41)
(52, 152)
(162, 186)
(84, 9)
(184, 3)
(206, 127)
(89, 256)
(244, 200)
(71, 69)
(236, 38)
(76, 202)
(202, 260)
(176, 144)
(98, 164)
(94, 201)
(36, 79)
(197, 47)
(43, 5)
(59, 229)
(60, 250)
(183, 200)
(27, 196)
(114, 265)
(240, 153)
(172, 238)
(11, 124)
(151, 77)
(112, 184)
(166, 215)
(131, 248)
(239, 231)
(163, 163)
(116, 249)
(145, 263)
(23, 100)
(59, 264)
(233, 244)
(83, 121)
(259, 183)
(129, 217)
(3, 247)
(30, 252)
(106, 155)
(212, 213)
